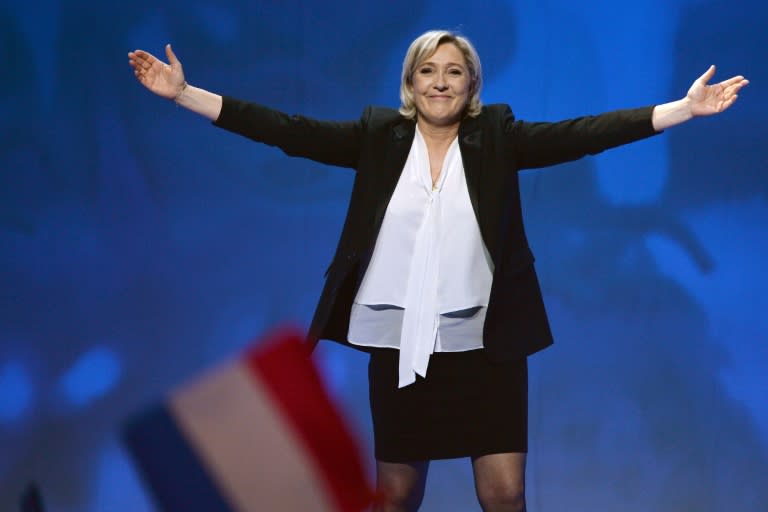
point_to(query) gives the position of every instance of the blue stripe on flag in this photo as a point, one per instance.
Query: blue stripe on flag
(169, 465)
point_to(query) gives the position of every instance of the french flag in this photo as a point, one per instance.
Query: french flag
(259, 434)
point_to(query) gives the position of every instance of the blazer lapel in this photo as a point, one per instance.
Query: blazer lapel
(470, 145)
(399, 145)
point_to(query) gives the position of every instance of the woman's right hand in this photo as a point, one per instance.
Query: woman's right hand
(166, 80)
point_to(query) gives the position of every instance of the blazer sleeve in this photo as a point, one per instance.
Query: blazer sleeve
(540, 144)
(328, 142)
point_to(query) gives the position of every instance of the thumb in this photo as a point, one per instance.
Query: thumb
(708, 74)
(172, 60)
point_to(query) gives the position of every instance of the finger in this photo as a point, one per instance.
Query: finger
(144, 63)
(727, 103)
(708, 74)
(733, 80)
(734, 88)
(141, 54)
(142, 58)
(134, 65)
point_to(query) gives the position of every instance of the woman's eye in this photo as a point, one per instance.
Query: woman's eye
(455, 72)
(425, 71)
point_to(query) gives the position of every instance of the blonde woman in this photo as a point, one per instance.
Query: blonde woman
(433, 275)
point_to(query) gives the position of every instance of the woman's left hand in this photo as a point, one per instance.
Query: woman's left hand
(705, 100)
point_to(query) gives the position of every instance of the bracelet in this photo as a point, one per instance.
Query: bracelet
(181, 91)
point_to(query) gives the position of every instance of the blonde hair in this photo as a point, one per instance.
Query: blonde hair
(421, 49)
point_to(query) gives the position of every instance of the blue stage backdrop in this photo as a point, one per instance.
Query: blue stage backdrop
(139, 245)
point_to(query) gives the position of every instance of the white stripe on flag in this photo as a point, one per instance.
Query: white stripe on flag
(240, 434)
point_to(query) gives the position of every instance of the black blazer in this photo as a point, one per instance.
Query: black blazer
(493, 147)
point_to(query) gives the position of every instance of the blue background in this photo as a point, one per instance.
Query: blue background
(139, 245)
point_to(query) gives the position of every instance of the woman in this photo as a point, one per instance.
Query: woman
(432, 274)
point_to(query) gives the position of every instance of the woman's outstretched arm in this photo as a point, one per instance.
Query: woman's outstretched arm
(167, 81)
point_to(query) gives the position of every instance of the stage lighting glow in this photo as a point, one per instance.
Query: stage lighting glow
(93, 375)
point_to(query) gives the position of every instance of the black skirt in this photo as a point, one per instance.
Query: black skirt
(467, 406)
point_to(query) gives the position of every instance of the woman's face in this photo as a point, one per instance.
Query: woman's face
(441, 86)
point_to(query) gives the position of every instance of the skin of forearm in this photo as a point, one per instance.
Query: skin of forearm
(670, 114)
(200, 101)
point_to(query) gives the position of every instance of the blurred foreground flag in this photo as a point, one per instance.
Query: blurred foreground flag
(259, 434)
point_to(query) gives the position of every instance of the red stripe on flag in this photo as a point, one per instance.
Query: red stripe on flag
(286, 370)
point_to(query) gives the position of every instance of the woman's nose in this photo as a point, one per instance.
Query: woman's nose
(440, 83)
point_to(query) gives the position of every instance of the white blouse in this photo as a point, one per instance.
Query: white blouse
(428, 282)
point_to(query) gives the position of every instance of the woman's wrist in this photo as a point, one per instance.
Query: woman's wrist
(672, 113)
(180, 92)
(199, 101)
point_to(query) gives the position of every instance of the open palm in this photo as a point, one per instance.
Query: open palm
(165, 80)
(710, 99)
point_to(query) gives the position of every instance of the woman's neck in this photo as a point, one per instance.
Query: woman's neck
(437, 135)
